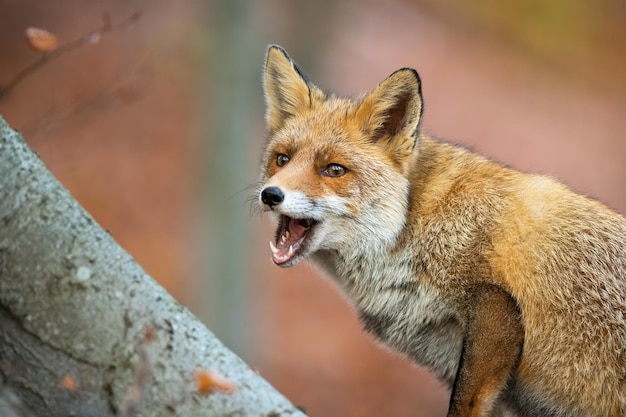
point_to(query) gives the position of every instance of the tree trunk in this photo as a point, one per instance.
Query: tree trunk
(85, 332)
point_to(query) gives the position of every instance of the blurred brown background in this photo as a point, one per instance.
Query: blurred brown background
(157, 130)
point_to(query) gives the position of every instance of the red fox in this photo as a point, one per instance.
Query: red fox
(510, 287)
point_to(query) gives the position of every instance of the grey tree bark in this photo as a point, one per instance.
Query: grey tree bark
(84, 331)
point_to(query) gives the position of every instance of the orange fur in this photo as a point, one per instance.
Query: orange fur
(509, 286)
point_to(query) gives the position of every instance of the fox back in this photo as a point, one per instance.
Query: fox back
(510, 287)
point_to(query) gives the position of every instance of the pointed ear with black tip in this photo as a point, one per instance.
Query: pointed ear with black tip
(390, 115)
(286, 89)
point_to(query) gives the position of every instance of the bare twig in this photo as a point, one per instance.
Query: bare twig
(87, 39)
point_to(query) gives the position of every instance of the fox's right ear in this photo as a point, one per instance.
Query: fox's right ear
(286, 89)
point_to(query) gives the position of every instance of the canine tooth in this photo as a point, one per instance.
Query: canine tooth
(283, 238)
(273, 248)
(290, 253)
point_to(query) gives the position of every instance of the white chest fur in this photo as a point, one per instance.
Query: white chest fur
(402, 312)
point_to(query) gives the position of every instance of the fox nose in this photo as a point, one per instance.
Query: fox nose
(272, 196)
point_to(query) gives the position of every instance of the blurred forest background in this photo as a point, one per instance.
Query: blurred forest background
(157, 129)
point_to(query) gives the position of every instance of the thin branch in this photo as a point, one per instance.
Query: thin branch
(89, 38)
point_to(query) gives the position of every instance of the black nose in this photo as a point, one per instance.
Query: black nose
(272, 196)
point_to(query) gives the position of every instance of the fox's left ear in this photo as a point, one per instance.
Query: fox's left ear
(391, 114)
(286, 89)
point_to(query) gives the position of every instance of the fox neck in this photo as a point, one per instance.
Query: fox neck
(376, 236)
(387, 293)
(366, 265)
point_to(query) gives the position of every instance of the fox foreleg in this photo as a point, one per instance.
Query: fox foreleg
(491, 351)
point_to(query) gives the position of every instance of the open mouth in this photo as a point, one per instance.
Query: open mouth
(291, 236)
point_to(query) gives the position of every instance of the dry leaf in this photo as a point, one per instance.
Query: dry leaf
(41, 40)
(207, 382)
(69, 383)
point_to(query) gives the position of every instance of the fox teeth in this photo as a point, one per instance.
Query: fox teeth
(273, 248)
(285, 236)
(290, 253)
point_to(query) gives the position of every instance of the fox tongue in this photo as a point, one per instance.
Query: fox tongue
(292, 235)
(297, 229)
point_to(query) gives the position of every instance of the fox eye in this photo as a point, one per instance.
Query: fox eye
(334, 171)
(281, 159)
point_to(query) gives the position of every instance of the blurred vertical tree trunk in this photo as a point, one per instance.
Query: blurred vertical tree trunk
(229, 160)
(233, 91)
(314, 20)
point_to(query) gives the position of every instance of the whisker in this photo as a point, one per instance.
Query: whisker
(243, 190)
(252, 198)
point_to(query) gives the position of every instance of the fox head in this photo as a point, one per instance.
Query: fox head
(335, 170)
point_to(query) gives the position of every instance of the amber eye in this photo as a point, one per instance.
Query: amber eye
(281, 159)
(334, 171)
